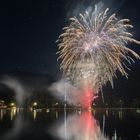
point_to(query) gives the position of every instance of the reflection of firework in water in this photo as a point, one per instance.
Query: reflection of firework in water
(78, 127)
(93, 47)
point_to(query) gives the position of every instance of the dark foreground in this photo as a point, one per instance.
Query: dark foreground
(98, 124)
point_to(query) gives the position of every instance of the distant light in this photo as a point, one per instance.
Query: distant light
(47, 110)
(35, 104)
(56, 103)
(1, 101)
(138, 111)
(12, 104)
(79, 112)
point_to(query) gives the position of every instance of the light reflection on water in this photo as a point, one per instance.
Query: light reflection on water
(99, 124)
(78, 127)
(13, 112)
(34, 114)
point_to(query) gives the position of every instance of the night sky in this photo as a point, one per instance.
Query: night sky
(29, 29)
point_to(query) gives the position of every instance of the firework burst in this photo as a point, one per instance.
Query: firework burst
(93, 47)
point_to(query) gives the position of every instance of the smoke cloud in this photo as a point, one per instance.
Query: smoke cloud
(21, 93)
(64, 91)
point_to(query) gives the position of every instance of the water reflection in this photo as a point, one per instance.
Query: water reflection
(56, 114)
(71, 124)
(13, 112)
(78, 127)
(17, 128)
(120, 115)
(34, 114)
(106, 112)
(2, 113)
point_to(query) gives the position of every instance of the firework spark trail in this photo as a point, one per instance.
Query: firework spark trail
(93, 47)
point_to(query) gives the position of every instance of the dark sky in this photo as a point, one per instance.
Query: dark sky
(29, 29)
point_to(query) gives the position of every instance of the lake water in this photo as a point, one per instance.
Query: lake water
(70, 124)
